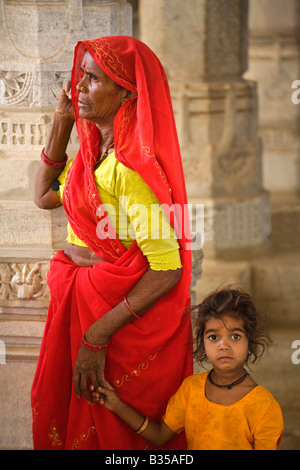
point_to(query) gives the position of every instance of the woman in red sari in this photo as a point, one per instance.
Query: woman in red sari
(118, 306)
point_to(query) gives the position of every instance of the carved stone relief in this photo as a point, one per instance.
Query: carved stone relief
(26, 281)
(237, 224)
(221, 120)
(25, 89)
(25, 130)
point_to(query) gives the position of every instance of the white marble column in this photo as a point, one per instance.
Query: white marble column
(37, 41)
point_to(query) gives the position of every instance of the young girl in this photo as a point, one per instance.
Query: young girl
(224, 408)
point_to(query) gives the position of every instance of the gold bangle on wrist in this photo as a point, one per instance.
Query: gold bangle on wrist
(144, 425)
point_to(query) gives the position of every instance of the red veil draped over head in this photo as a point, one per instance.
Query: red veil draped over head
(147, 359)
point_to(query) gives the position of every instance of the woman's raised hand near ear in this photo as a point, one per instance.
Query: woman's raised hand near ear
(64, 104)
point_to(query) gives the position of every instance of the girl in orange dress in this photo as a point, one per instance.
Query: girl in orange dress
(223, 409)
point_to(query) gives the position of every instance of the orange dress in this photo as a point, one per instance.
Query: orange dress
(254, 422)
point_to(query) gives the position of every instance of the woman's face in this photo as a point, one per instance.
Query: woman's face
(99, 96)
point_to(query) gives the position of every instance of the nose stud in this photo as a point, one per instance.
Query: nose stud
(80, 88)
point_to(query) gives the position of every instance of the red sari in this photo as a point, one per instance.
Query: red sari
(147, 359)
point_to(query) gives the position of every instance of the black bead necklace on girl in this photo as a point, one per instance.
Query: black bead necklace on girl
(228, 386)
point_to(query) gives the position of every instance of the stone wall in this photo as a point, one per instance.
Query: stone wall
(274, 62)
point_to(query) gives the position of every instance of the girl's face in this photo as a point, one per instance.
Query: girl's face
(226, 342)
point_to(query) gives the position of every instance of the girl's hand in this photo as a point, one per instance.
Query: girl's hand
(108, 397)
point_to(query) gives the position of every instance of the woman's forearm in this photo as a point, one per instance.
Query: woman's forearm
(55, 150)
(59, 137)
(152, 286)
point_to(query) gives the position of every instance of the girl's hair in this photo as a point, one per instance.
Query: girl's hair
(237, 304)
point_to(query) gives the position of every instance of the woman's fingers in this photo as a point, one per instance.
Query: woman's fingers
(89, 372)
(84, 388)
(76, 383)
(80, 383)
(67, 88)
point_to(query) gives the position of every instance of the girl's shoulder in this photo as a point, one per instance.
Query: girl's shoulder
(195, 380)
(264, 396)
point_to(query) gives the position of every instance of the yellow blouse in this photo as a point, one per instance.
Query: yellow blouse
(134, 212)
(254, 422)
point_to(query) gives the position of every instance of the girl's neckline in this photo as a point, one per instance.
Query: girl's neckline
(228, 386)
(231, 404)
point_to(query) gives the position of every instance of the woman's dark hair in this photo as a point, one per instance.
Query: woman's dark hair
(238, 304)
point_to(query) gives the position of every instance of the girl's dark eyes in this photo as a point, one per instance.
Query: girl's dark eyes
(234, 336)
(212, 337)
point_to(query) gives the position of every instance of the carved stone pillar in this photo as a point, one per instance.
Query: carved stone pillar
(216, 115)
(274, 62)
(37, 41)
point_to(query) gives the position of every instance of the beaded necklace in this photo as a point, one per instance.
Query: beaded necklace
(228, 386)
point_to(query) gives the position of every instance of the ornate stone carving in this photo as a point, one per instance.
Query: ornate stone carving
(220, 119)
(25, 131)
(27, 89)
(25, 281)
(237, 224)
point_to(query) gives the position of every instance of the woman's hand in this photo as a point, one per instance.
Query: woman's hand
(89, 370)
(64, 104)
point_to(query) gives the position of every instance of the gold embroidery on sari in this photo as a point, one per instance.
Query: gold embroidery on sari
(135, 372)
(83, 437)
(125, 117)
(112, 61)
(54, 435)
(157, 165)
(147, 152)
